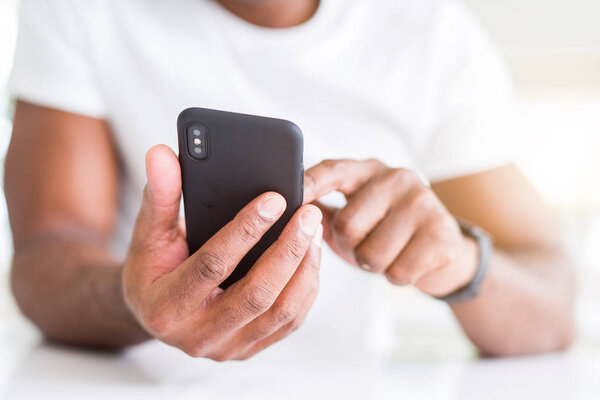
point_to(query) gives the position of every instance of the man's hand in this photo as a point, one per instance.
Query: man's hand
(67, 282)
(177, 299)
(392, 224)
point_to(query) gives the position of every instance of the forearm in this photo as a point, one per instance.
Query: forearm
(525, 305)
(71, 290)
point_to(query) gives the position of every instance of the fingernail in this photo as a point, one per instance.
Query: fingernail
(365, 266)
(310, 221)
(271, 207)
(318, 238)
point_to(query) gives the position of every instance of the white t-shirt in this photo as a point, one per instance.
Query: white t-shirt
(415, 83)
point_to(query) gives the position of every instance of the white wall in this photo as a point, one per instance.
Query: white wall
(552, 46)
(553, 50)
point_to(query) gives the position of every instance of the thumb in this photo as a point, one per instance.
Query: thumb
(160, 206)
(328, 214)
(329, 233)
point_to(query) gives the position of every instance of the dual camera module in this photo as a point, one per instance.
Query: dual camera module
(197, 141)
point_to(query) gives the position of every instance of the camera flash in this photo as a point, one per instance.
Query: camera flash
(197, 141)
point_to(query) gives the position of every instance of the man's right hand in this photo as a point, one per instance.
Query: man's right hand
(177, 298)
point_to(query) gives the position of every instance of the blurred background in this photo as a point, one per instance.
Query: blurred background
(552, 48)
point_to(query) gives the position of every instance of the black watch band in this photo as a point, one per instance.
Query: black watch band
(485, 247)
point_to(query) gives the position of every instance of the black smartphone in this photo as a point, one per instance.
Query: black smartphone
(228, 159)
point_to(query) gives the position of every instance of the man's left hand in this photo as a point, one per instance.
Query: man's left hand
(392, 224)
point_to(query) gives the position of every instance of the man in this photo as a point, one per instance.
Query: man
(412, 87)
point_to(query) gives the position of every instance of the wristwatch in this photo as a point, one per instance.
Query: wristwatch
(485, 246)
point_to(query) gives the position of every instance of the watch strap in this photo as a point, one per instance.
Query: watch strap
(485, 249)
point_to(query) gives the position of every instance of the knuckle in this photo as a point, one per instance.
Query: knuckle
(294, 249)
(258, 299)
(447, 255)
(229, 316)
(400, 176)
(442, 230)
(190, 351)
(363, 256)
(309, 178)
(248, 228)
(397, 181)
(409, 175)
(345, 225)
(396, 174)
(285, 313)
(295, 325)
(195, 350)
(208, 266)
(398, 277)
(244, 357)
(158, 322)
(334, 168)
(330, 164)
(421, 199)
(375, 162)
(382, 184)
(261, 332)
(366, 256)
(444, 222)
(220, 357)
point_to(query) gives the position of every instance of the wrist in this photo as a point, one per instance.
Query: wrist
(107, 291)
(463, 269)
(484, 249)
(467, 263)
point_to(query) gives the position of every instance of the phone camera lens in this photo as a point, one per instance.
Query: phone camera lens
(197, 141)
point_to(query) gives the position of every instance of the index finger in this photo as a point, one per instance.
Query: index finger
(191, 282)
(259, 289)
(344, 176)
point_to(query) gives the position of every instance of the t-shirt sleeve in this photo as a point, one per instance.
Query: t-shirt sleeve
(51, 65)
(474, 127)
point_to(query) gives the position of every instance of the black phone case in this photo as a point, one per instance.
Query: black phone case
(246, 156)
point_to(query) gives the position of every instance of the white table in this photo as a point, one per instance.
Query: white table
(434, 367)
(31, 369)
